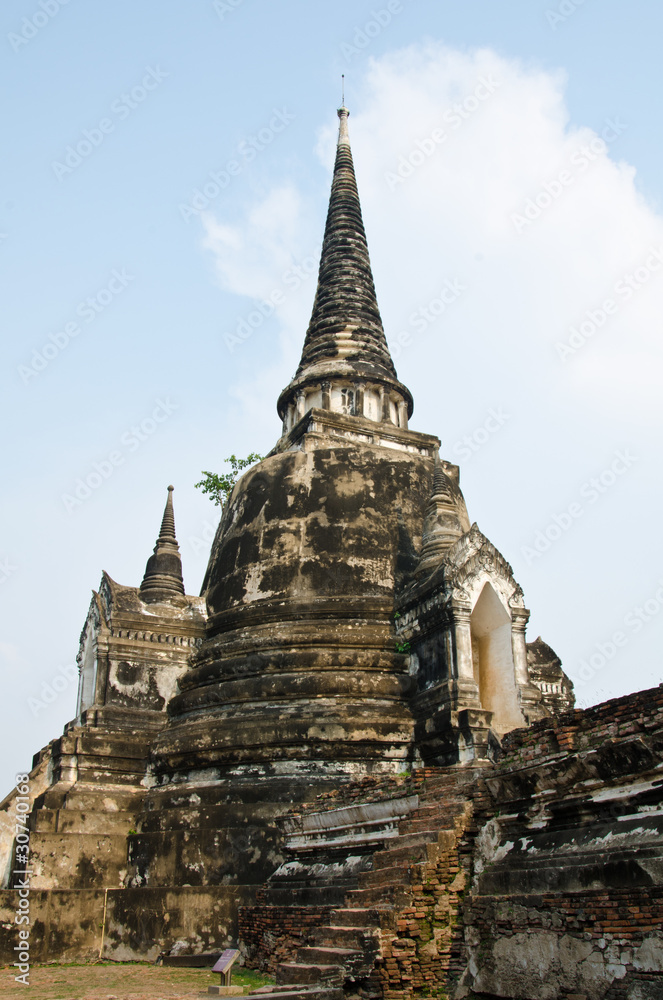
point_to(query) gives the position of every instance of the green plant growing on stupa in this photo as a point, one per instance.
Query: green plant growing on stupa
(219, 487)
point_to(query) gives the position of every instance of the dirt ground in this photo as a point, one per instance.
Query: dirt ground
(118, 981)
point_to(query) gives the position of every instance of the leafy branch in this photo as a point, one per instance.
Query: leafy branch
(219, 487)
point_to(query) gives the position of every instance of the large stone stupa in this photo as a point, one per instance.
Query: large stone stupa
(352, 622)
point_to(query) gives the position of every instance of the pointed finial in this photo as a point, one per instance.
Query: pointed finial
(163, 573)
(167, 532)
(343, 134)
(342, 90)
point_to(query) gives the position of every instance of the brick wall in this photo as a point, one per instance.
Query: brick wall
(270, 935)
(566, 851)
(545, 880)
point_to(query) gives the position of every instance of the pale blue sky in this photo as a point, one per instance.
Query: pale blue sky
(219, 76)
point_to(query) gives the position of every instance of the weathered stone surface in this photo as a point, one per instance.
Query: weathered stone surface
(567, 870)
(188, 920)
(545, 671)
(65, 925)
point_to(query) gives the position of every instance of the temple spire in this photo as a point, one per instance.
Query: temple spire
(345, 340)
(163, 573)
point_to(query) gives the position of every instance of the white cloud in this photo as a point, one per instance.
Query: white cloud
(250, 257)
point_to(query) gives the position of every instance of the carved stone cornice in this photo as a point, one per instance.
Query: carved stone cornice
(145, 635)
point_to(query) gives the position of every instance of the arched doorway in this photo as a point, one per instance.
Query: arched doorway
(492, 661)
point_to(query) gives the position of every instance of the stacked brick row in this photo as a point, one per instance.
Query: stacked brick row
(424, 955)
(582, 729)
(420, 957)
(368, 789)
(271, 935)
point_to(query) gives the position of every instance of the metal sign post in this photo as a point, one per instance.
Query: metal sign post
(224, 966)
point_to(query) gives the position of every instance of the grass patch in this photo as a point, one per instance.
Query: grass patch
(120, 980)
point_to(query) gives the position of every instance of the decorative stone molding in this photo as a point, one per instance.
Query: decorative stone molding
(139, 635)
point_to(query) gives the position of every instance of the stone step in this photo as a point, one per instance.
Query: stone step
(436, 808)
(355, 918)
(394, 875)
(342, 937)
(445, 839)
(44, 820)
(424, 824)
(384, 895)
(325, 895)
(457, 777)
(270, 989)
(320, 993)
(444, 781)
(111, 762)
(107, 745)
(308, 973)
(313, 955)
(210, 815)
(101, 720)
(94, 774)
(403, 855)
(77, 822)
(435, 817)
(98, 796)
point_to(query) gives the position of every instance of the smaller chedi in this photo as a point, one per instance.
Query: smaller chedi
(353, 622)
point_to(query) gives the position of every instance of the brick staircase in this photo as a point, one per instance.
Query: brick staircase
(353, 953)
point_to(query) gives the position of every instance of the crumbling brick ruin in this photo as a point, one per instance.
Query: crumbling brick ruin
(344, 756)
